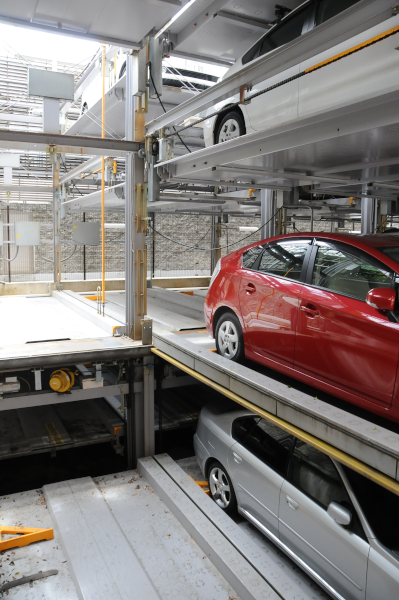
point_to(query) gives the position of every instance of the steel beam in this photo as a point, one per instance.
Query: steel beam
(68, 144)
(27, 188)
(224, 183)
(243, 21)
(360, 17)
(86, 167)
(202, 18)
(278, 175)
(366, 115)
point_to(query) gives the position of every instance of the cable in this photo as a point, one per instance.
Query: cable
(218, 247)
(9, 259)
(51, 260)
(27, 382)
(63, 162)
(164, 109)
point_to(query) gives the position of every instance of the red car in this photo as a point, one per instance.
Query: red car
(322, 308)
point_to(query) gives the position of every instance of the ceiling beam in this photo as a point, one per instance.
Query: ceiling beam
(27, 188)
(243, 21)
(201, 19)
(69, 144)
(94, 37)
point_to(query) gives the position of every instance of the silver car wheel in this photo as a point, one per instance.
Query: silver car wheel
(229, 131)
(228, 339)
(220, 488)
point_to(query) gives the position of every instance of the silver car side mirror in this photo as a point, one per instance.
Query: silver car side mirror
(341, 515)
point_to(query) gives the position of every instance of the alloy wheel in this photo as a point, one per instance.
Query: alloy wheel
(228, 339)
(220, 488)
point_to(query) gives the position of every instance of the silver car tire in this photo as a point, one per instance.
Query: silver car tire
(221, 487)
(229, 338)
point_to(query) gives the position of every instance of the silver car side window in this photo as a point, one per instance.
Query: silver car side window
(265, 441)
(380, 507)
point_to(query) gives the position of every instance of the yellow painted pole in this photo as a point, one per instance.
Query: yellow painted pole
(103, 192)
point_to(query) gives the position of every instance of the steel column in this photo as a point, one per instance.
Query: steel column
(149, 407)
(135, 211)
(56, 159)
(367, 211)
(267, 210)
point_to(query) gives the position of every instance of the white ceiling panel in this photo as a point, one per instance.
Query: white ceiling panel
(200, 30)
(124, 20)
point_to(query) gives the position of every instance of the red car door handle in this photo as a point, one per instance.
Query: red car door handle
(250, 288)
(312, 312)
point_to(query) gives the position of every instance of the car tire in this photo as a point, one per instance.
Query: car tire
(230, 127)
(229, 339)
(221, 488)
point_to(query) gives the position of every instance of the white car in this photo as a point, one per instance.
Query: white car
(360, 76)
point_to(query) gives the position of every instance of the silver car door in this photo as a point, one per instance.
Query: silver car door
(337, 553)
(257, 464)
(380, 511)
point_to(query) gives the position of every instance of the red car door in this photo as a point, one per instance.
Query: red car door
(340, 338)
(269, 299)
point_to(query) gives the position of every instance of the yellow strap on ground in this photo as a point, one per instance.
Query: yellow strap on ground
(347, 460)
(24, 537)
(354, 49)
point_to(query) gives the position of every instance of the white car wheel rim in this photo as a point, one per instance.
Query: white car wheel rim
(228, 339)
(229, 130)
(219, 487)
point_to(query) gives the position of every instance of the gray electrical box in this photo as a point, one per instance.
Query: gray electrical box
(27, 233)
(87, 234)
(50, 84)
(1, 233)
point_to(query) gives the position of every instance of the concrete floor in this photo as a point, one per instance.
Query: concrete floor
(26, 319)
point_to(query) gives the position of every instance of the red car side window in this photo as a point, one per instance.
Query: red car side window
(345, 273)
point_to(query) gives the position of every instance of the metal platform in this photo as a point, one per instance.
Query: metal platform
(351, 440)
(102, 550)
(50, 428)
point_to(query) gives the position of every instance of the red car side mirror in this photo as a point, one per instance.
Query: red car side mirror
(381, 298)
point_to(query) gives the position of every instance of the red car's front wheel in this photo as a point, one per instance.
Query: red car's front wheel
(229, 338)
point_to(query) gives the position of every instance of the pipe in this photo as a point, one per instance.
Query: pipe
(103, 190)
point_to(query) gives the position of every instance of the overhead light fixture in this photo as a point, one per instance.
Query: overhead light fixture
(175, 17)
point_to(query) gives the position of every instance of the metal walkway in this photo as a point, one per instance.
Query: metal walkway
(363, 446)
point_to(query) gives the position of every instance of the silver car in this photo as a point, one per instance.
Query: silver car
(340, 527)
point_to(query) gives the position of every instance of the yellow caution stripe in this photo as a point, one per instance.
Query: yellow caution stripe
(370, 42)
(54, 434)
(347, 460)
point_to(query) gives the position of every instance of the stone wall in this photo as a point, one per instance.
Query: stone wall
(170, 258)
